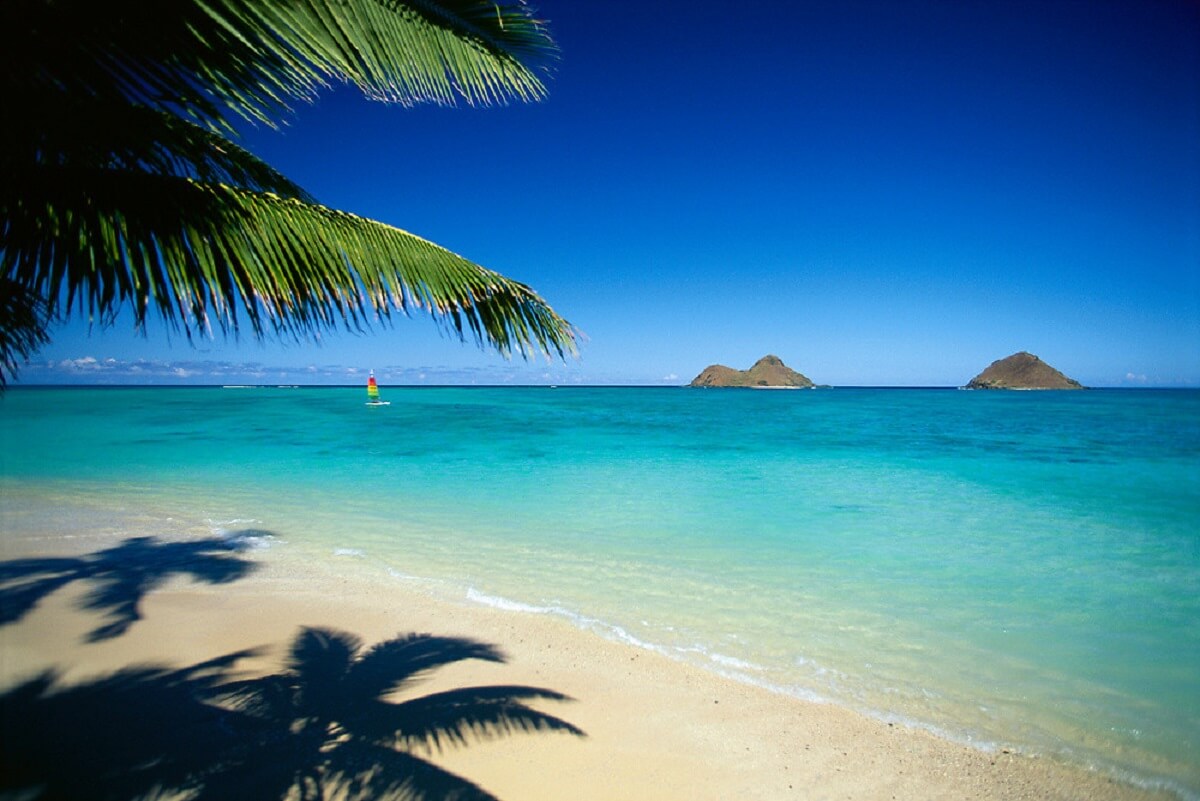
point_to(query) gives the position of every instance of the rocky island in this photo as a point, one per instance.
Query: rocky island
(1022, 371)
(769, 372)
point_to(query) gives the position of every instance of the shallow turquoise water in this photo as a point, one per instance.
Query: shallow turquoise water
(1005, 568)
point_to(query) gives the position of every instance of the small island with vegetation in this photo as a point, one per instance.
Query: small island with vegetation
(769, 372)
(1022, 371)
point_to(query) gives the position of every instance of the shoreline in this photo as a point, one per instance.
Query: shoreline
(655, 726)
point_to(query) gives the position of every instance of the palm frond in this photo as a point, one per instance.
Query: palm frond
(163, 55)
(455, 717)
(203, 255)
(389, 665)
(206, 58)
(255, 768)
(401, 52)
(362, 770)
(120, 186)
(320, 657)
(139, 139)
(265, 697)
(24, 319)
(19, 598)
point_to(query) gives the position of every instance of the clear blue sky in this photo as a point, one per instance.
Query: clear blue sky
(880, 193)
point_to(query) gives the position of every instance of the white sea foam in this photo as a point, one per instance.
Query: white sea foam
(594, 625)
(696, 654)
(733, 662)
(507, 605)
(242, 534)
(734, 668)
(222, 526)
(348, 552)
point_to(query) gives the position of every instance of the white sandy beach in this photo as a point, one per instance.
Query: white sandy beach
(655, 728)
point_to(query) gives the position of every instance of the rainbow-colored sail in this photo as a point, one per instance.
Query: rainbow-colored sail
(372, 389)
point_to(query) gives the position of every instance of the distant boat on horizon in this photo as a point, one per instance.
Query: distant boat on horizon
(373, 392)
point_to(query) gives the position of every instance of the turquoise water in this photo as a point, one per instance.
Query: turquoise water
(1007, 569)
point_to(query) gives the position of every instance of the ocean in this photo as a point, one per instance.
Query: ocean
(1007, 569)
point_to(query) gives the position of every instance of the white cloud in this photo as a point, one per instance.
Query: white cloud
(83, 363)
(110, 370)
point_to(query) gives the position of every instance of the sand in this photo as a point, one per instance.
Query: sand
(654, 728)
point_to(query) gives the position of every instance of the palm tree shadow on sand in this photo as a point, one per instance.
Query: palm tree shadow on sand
(324, 727)
(122, 576)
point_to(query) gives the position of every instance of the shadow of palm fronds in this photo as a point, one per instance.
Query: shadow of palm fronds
(115, 737)
(121, 576)
(328, 718)
(326, 726)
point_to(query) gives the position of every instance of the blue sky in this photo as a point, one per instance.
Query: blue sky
(880, 193)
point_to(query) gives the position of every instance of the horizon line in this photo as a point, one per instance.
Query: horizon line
(278, 385)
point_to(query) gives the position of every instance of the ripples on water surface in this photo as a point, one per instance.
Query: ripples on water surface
(1017, 568)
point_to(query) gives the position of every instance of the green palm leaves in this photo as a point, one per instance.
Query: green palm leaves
(123, 189)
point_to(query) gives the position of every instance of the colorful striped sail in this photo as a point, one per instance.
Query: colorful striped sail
(372, 389)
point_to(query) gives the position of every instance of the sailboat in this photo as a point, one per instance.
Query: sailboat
(373, 392)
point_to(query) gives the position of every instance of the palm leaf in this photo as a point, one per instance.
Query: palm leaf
(136, 138)
(54, 565)
(252, 57)
(24, 322)
(387, 666)
(18, 598)
(256, 769)
(318, 662)
(454, 717)
(204, 255)
(401, 52)
(363, 770)
(269, 698)
(119, 185)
